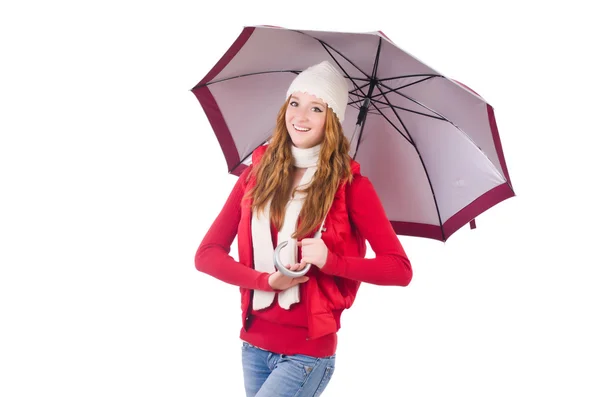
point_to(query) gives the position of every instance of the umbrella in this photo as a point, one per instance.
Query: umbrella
(429, 144)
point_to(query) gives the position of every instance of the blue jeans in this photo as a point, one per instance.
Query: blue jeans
(269, 374)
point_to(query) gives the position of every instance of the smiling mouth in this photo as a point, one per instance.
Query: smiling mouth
(300, 129)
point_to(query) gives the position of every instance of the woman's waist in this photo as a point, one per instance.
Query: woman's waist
(287, 339)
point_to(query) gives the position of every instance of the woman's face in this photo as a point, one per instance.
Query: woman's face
(305, 120)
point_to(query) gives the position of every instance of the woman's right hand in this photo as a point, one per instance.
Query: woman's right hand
(280, 281)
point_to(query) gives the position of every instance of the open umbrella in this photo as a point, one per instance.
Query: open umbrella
(428, 144)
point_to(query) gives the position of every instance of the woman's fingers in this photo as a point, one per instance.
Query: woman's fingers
(299, 280)
(280, 281)
(296, 266)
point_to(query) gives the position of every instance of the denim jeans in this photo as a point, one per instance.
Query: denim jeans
(269, 374)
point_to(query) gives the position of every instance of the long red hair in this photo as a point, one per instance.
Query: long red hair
(275, 170)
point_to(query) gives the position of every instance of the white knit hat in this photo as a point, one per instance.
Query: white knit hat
(325, 82)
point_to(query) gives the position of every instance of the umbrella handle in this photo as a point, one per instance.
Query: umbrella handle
(281, 267)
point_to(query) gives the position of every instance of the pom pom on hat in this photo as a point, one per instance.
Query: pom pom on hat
(326, 82)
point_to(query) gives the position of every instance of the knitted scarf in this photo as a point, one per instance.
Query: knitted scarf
(261, 233)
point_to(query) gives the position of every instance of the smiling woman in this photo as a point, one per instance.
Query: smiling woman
(302, 184)
(305, 120)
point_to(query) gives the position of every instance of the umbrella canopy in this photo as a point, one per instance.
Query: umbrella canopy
(429, 145)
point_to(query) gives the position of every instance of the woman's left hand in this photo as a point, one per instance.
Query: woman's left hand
(314, 251)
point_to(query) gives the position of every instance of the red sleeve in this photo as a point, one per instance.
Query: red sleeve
(213, 256)
(390, 265)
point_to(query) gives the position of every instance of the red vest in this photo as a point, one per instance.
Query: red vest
(327, 296)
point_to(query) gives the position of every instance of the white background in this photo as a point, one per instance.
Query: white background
(110, 175)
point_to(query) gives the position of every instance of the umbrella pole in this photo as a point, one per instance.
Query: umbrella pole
(360, 123)
(362, 114)
(353, 150)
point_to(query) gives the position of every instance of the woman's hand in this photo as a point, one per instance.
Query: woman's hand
(280, 281)
(314, 251)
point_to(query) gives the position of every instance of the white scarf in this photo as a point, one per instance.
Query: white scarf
(261, 233)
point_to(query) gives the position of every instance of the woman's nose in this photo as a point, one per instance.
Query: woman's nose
(302, 113)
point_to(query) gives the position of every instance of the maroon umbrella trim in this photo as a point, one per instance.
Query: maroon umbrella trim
(458, 220)
(216, 120)
(239, 169)
(211, 107)
(477, 207)
(228, 56)
(495, 133)
(384, 35)
(417, 230)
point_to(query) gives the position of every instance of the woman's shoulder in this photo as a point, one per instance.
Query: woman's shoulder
(359, 184)
(355, 168)
(258, 153)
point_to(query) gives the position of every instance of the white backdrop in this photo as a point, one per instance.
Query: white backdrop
(110, 176)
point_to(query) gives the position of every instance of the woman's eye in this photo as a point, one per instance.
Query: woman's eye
(293, 103)
(318, 110)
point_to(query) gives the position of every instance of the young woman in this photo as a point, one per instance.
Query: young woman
(303, 183)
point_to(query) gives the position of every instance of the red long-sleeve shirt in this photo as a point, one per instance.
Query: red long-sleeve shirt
(284, 331)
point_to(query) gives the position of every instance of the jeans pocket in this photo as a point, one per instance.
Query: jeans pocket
(306, 362)
(325, 380)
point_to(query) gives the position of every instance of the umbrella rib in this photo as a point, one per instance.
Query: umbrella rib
(246, 75)
(248, 155)
(428, 75)
(398, 117)
(353, 92)
(411, 140)
(399, 88)
(360, 96)
(404, 86)
(442, 117)
(406, 109)
(358, 101)
(325, 45)
(395, 90)
(376, 63)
